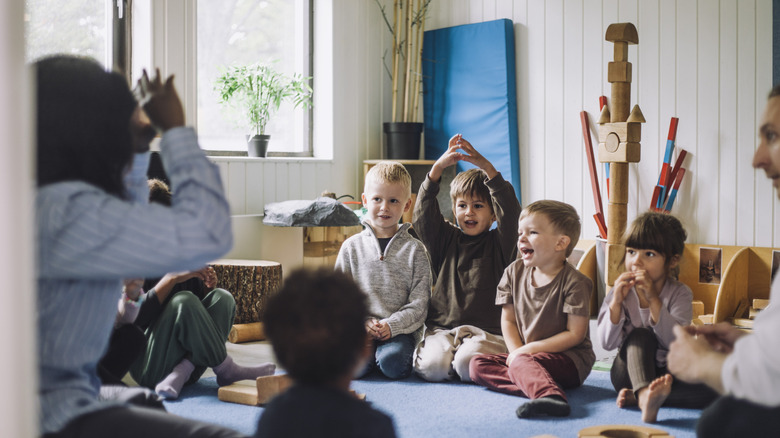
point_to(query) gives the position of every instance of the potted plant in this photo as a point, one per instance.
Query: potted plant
(257, 91)
(408, 23)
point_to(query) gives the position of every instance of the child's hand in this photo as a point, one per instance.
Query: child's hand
(448, 158)
(132, 288)
(382, 331)
(528, 348)
(475, 158)
(645, 289)
(210, 277)
(623, 284)
(378, 330)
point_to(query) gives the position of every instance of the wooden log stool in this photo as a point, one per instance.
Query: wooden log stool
(251, 282)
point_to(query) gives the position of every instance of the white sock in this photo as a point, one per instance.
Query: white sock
(170, 387)
(228, 371)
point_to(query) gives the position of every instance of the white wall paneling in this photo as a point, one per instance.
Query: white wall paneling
(707, 62)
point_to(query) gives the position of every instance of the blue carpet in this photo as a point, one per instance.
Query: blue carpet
(422, 409)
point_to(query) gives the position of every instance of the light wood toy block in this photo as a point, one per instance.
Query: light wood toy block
(698, 308)
(261, 391)
(625, 153)
(619, 71)
(626, 132)
(239, 333)
(706, 319)
(760, 304)
(257, 393)
(742, 322)
(622, 32)
(622, 431)
(753, 312)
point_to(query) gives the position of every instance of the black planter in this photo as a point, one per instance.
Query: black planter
(403, 140)
(258, 145)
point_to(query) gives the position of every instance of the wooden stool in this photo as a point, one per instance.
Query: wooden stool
(250, 282)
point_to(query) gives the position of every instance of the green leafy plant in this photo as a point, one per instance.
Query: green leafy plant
(258, 90)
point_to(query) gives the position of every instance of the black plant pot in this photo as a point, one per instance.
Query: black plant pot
(258, 145)
(403, 140)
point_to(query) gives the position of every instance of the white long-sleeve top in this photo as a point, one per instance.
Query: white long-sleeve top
(676, 308)
(87, 240)
(752, 371)
(397, 282)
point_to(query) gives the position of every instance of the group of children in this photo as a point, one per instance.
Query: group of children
(506, 310)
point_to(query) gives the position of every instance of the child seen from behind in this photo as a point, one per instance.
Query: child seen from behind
(316, 326)
(392, 268)
(638, 316)
(544, 316)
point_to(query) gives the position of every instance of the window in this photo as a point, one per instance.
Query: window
(79, 27)
(229, 32)
(236, 32)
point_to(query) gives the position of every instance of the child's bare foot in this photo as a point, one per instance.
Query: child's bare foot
(651, 398)
(625, 398)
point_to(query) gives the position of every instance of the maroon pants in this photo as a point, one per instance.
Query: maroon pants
(530, 375)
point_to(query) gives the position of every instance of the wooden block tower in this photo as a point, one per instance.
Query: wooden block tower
(619, 143)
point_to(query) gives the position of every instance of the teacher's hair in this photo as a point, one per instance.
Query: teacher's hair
(83, 123)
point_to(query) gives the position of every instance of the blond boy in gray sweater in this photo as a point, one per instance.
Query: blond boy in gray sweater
(392, 268)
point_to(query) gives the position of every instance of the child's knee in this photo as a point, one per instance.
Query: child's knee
(223, 299)
(461, 364)
(183, 298)
(433, 367)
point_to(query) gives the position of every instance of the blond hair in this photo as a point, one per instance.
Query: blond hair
(562, 216)
(390, 172)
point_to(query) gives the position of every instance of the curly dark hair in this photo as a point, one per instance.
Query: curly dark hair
(83, 123)
(159, 192)
(316, 325)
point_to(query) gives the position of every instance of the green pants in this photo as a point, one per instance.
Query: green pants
(187, 328)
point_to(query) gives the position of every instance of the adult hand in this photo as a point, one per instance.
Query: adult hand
(160, 101)
(692, 359)
(721, 336)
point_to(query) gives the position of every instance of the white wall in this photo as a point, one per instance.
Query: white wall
(18, 401)
(707, 62)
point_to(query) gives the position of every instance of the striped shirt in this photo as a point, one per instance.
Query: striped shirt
(88, 240)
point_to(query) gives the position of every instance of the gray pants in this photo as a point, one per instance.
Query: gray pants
(635, 368)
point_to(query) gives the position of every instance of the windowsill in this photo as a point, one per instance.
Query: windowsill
(236, 158)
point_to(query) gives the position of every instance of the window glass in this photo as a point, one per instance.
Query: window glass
(78, 27)
(243, 32)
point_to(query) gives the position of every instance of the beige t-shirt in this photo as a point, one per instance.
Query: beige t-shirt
(542, 312)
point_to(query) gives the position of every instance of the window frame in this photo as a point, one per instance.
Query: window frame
(172, 47)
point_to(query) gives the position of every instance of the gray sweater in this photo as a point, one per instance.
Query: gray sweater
(398, 282)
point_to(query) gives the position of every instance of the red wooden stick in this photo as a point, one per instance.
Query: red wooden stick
(656, 194)
(601, 224)
(677, 165)
(594, 178)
